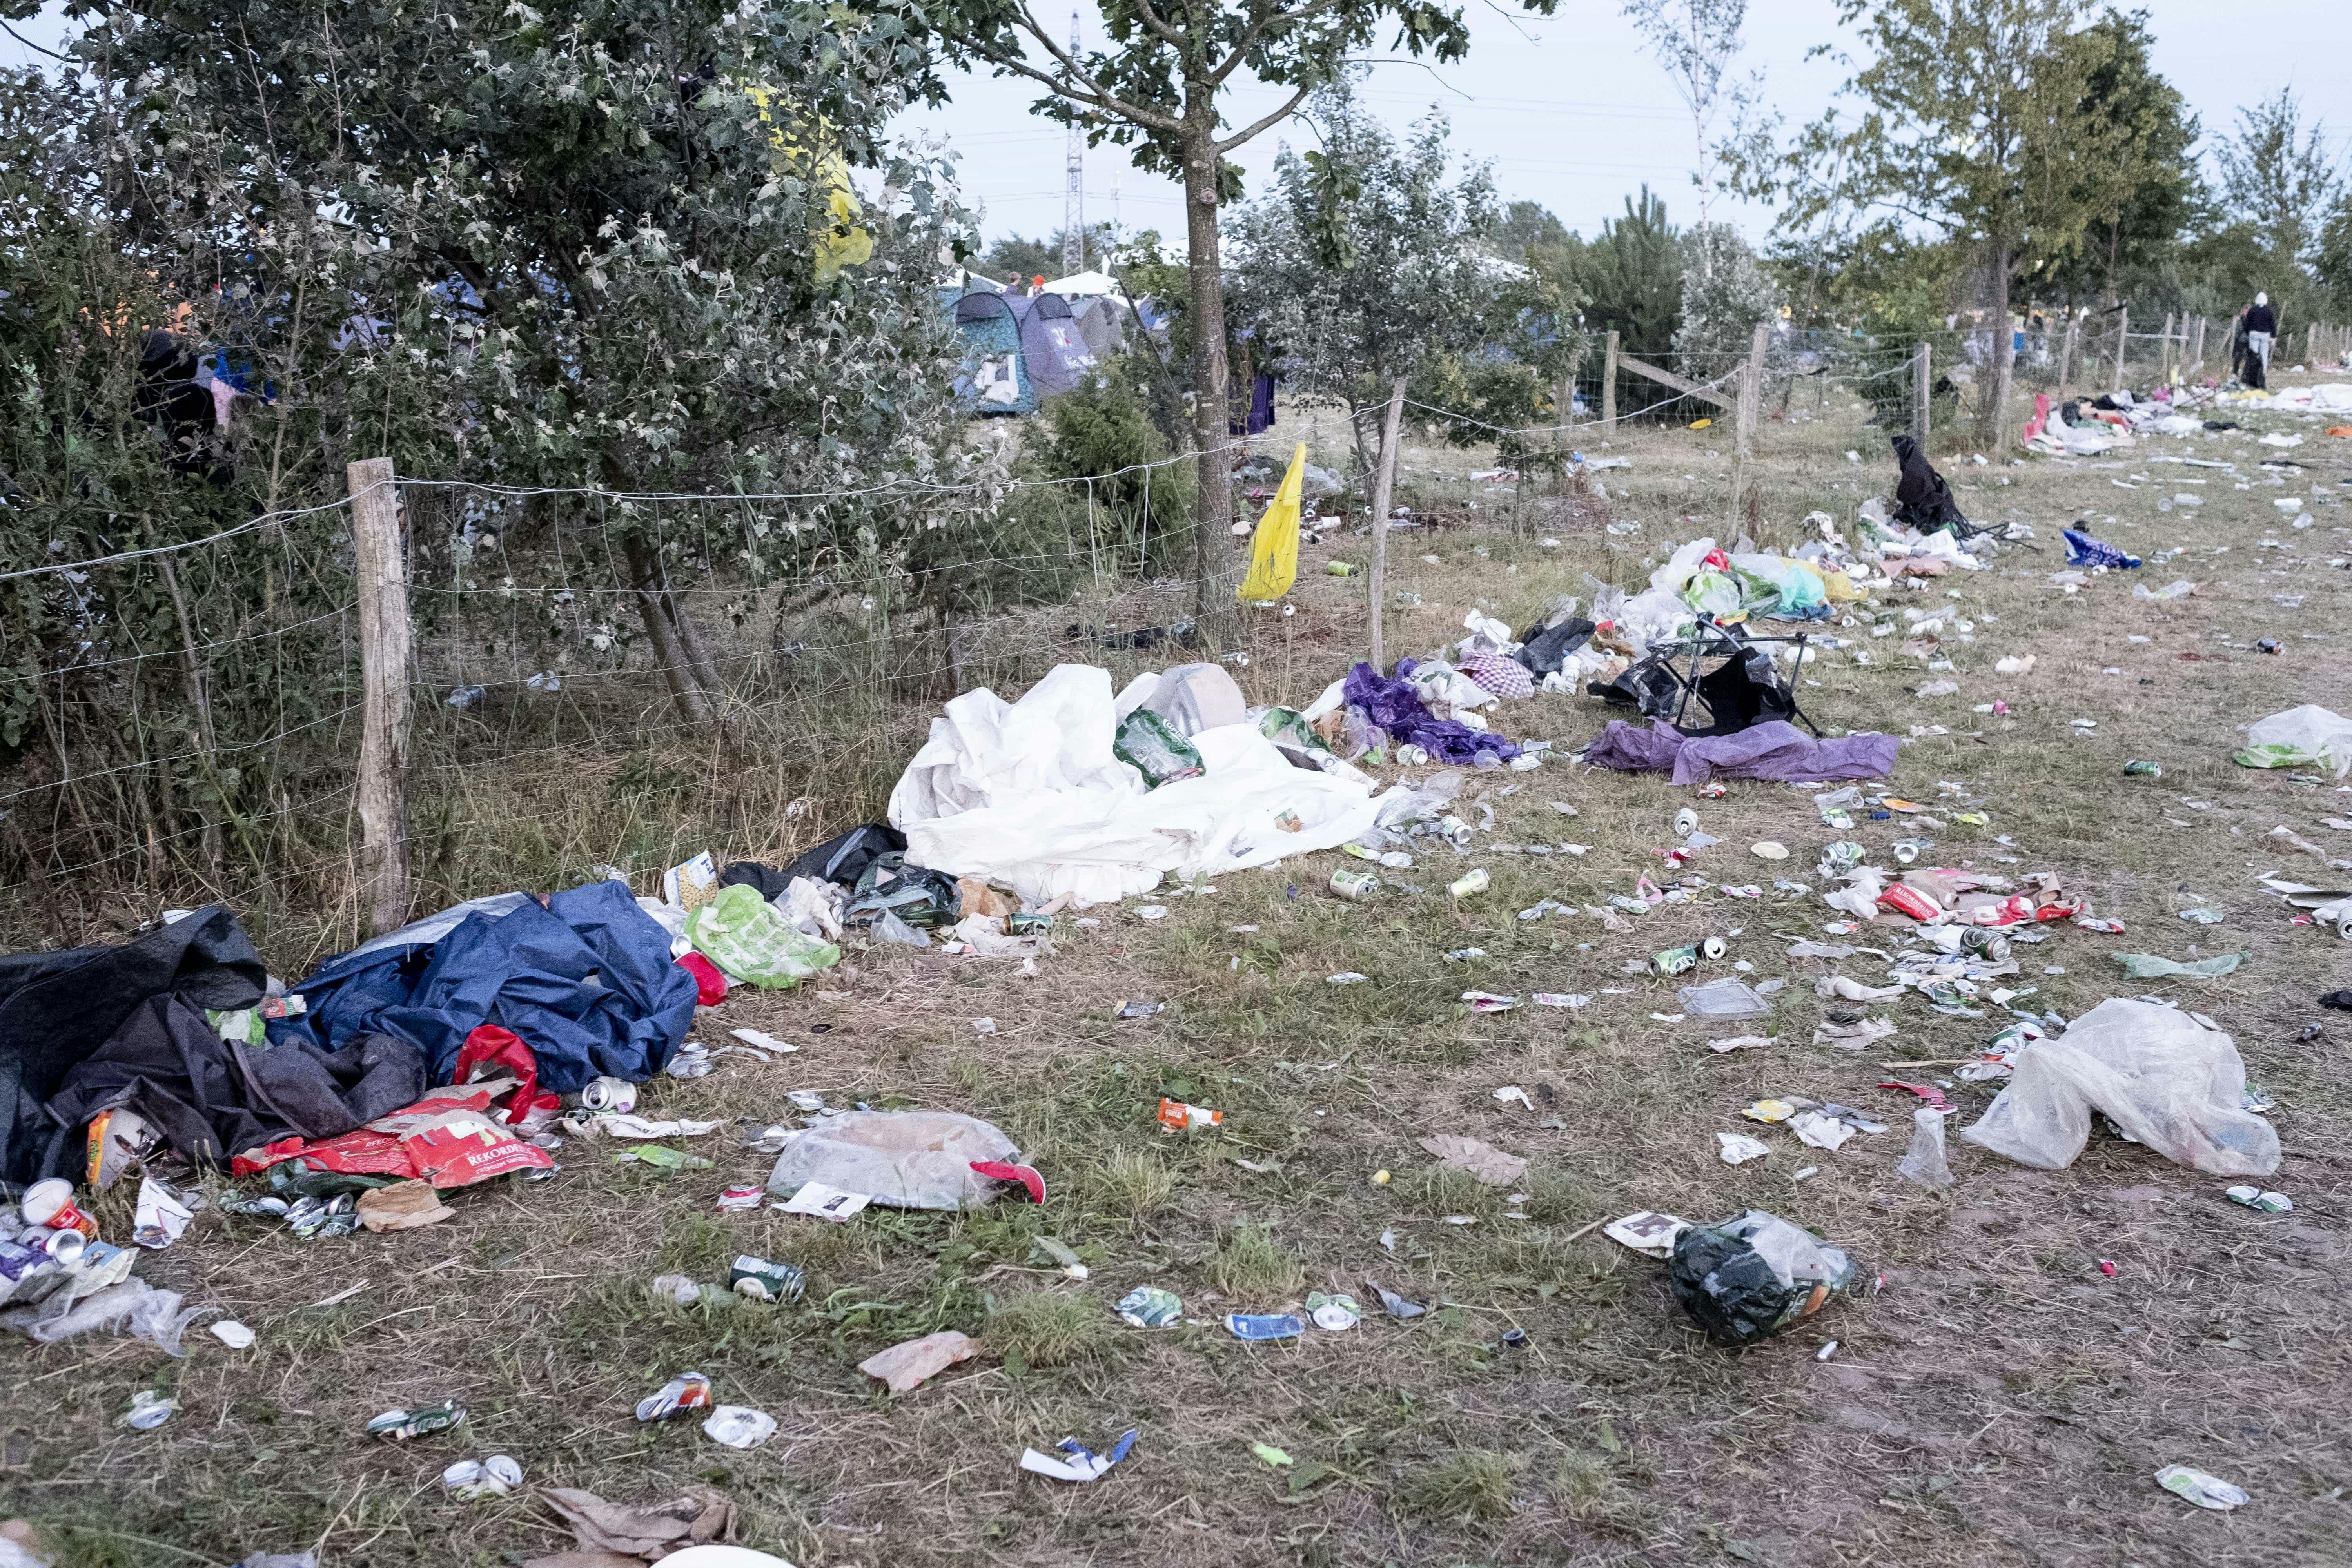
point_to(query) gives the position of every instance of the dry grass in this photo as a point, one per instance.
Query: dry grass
(2001, 1403)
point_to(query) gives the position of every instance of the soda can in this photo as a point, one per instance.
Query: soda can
(1409, 756)
(2142, 770)
(400, 1425)
(687, 1390)
(1686, 822)
(764, 1282)
(1021, 922)
(1675, 960)
(1339, 568)
(746, 1197)
(49, 1202)
(1474, 881)
(1989, 943)
(616, 1095)
(1150, 1307)
(1712, 948)
(1350, 884)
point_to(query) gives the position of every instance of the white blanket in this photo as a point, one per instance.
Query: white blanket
(1028, 794)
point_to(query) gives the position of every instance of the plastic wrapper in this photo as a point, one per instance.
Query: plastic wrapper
(751, 940)
(1151, 745)
(1925, 1162)
(1746, 1279)
(907, 1159)
(2155, 1073)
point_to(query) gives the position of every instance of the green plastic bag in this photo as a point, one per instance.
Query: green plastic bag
(1151, 745)
(749, 938)
(2150, 966)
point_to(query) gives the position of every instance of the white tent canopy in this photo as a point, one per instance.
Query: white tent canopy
(1078, 285)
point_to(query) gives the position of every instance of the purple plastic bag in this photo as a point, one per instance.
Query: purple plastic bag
(2083, 550)
(1397, 708)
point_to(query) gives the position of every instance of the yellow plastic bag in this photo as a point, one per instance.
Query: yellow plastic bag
(1273, 550)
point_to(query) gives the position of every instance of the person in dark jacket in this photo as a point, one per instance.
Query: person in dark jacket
(2262, 331)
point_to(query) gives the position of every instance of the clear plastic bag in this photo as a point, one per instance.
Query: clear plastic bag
(1746, 1279)
(908, 1159)
(749, 938)
(1925, 1162)
(2308, 736)
(2155, 1073)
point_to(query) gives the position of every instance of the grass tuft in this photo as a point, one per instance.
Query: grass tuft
(1133, 1183)
(1249, 1262)
(1472, 1487)
(1046, 1328)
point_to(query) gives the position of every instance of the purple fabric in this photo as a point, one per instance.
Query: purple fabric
(1394, 707)
(1771, 749)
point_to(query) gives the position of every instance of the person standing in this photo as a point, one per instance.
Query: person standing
(2262, 330)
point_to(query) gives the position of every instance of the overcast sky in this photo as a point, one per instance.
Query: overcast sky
(1571, 112)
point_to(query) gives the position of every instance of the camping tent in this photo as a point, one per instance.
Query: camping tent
(1083, 285)
(1102, 322)
(1053, 350)
(993, 377)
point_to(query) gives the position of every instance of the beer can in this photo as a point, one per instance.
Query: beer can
(762, 1280)
(1712, 948)
(1675, 960)
(2142, 770)
(616, 1095)
(1686, 822)
(687, 1390)
(1350, 884)
(64, 1246)
(1021, 922)
(1474, 881)
(400, 1425)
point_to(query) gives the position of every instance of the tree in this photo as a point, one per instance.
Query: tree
(1159, 87)
(2276, 176)
(1726, 297)
(2145, 191)
(615, 244)
(1528, 226)
(1014, 260)
(1695, 41)
(1972, 124)
(1633, 277)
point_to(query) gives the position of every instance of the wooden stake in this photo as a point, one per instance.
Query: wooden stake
(1923, 388)
(2066, 355)
(2122, 334)
(1609, 388)
(1391, 433)
(381, 563)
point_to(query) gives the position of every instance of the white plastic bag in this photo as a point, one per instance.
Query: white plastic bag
(1925, 1162)
(2300, 737)
(2155, 1071)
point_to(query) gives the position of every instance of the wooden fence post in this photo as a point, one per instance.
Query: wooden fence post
(2066, 354)
(1923, 389)
(1392, 433)
(2197, 354)
(381, 565)
(1743, 420)
(2123, 337)
(1609, 388)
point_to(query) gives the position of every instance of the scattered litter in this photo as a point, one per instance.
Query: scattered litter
(2255, 1199)
(400, 1426)
(1650, 1233)
(686, 1392)
(1178, 1117)
(1743, 1042)
(1747, 1278)
(1151, 1307)
(1925, 1162)
(231, 1332)
(494, 1477)
(906, 1366)
(1484, 1161)
(1082, 1463)
(2204, 1490)
(1346, 977)
(1336, 1312)
(1263, 1325)
(149, 1410)
(1395, 1305)
(739, 1425)
(1737, 1148)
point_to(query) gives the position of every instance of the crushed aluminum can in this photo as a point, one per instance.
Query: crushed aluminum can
(1150, 1307)
(147, 1411)
(687, 1390)
(400, 1425)
(1141, 1009)
(494, 1477)
(2255, 1199)
(310, 1218)
(2142, 770)
(1487, 1002)
(762, 1280)
(1464, 954)
(1336, 1312)
(616, 1095)
(1021, 922)
(1263, 1325)
(1474, 881)
(1675, 960)
(1355, 885)
(735, 1199)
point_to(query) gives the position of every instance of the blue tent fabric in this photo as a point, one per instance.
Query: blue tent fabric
(587, 981)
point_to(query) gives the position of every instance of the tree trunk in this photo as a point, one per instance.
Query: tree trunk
(654, 608)
(1994, 411)
(1211, 540)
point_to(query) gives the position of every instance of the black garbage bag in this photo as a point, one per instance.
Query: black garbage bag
(1921, 499)
(1544, 648)
(1738, 686)
(842, 858)
(918, 895)
(1747, 1278)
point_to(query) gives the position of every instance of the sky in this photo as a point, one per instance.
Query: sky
(1568, 109)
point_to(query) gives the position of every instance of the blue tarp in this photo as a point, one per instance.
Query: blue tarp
(587, 982)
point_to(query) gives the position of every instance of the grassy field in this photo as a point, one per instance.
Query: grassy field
(2003, 1401)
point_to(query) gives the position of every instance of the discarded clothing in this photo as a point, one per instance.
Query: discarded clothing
(1393, 706)
(1768, 751)
(839, 859)
(212, 1098)
(586, 980)
(1545, 647)
(2082, 550)
(56, 1008)
(1921, 499)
